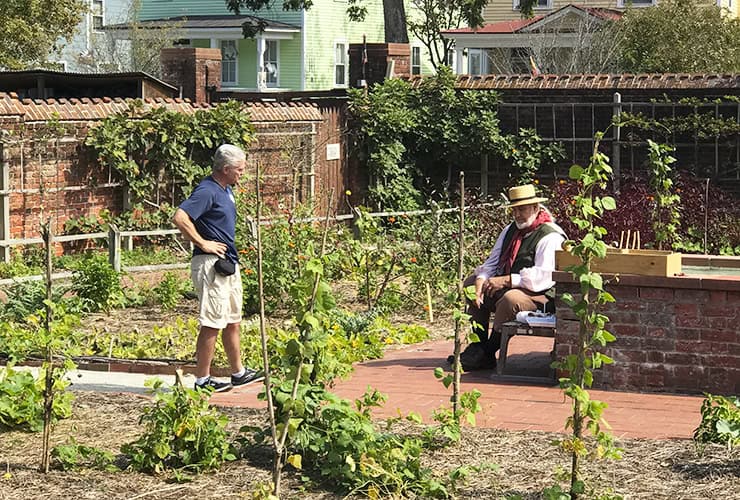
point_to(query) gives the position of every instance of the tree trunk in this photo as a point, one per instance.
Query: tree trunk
(395, 22)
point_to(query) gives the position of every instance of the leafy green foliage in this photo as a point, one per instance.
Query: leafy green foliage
(22, 397)
(31, 29)
(429, 18)
(74, 456)
(181, 433)
(421, 132)
(169, 291)
(666, 216)
(592, 336)
(529, 155)
(97, 284)
(154, 148)
(680, 36)
(720, 421)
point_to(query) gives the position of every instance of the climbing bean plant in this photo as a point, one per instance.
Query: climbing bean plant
(410, 136)
(592, 333)
(156, 148)
(666, 216)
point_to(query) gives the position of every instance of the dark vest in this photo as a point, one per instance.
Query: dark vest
(528, 248)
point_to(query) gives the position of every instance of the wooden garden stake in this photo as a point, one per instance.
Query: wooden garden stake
(621, 239)
(429, 303)
(48, 236)
(278, 450)
(460, 295)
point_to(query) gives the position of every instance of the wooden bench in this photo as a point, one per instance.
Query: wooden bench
(512, 328)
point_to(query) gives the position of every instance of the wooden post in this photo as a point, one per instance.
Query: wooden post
(114, 248)
(48, 235)
(461, 296)
(4, 205)
(616, 158)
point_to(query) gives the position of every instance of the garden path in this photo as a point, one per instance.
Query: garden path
(405, 375)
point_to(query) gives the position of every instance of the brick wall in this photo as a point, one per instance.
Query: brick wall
(678, 334)
(64, 180)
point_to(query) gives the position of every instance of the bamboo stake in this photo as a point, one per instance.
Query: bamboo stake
(278, 452)
(621, 239)
(461, 296)
(48, 235)
(429, 303)
(629, 235)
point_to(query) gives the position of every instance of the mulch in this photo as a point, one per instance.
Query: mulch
(526, 463)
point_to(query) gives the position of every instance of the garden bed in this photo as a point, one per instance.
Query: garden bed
(526, 459)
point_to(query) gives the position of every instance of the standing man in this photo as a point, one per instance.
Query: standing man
(517, 276)
(208, 219)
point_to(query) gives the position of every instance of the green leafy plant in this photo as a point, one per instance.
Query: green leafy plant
(720, 421)
(169, 291)
(97, 284)
(529, 155)
(154, 148)
(22, 397)
(182, 433)
(73, 456)
(666, 216)
(592, 335)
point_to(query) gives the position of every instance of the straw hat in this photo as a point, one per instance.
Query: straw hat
(523, 195)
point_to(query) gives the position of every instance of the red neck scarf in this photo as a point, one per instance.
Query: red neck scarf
(508, 256)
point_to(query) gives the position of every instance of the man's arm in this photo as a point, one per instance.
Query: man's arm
(181, 219)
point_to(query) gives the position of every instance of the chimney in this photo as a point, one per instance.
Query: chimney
(380, 60)
(197, 72)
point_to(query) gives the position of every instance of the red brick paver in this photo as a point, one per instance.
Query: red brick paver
(406, 377)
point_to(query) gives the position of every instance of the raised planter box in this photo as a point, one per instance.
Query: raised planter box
(618, 261)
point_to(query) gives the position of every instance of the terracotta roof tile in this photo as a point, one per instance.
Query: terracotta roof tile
(596, 81)
(96, 109)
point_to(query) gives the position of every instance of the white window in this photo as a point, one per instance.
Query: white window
(635, 3)
(540, 4)
(271, 63)
(229, 62)
(416, 60)
(97, 12)
(340, 64)
(476, 62)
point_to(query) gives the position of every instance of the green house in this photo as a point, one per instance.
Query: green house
(297, 50)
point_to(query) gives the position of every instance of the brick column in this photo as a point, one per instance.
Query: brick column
(379, 57)
(197, 72)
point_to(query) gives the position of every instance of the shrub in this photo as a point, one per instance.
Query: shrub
(720, 421)
(182, 432)
(97, 284)
(22, 400)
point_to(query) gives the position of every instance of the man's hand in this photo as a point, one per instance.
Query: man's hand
(493, 285)
(479, 282)
(214, 247)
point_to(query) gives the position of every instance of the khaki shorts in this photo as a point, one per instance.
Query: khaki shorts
(220, 297)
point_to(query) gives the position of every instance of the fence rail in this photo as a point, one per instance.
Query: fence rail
(117, 237)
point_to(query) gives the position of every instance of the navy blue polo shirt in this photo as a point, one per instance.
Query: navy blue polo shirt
(212, 209)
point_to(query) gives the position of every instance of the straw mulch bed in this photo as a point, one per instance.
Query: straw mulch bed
(526, 462)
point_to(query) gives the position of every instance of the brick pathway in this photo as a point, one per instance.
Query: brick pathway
(406, 377)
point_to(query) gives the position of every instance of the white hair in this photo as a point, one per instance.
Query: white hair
(227, 155)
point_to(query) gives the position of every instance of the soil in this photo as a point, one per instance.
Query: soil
(526, 461)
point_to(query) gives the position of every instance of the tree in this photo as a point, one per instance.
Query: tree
(31, 29)
(680, 36)
(435, 16)
(135, 48)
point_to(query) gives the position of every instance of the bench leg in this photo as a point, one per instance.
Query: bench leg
(502, 353)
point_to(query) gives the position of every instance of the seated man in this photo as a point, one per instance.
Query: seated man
(517, 276)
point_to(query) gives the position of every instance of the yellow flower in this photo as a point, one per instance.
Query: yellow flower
(348, 192)
(388, 340)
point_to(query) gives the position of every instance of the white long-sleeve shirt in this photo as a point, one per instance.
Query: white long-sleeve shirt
(537, 278)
